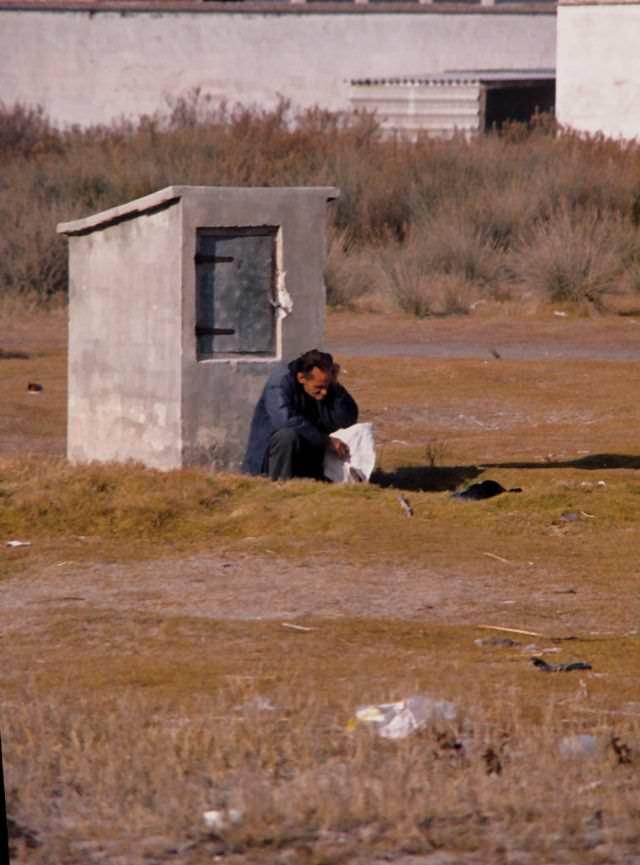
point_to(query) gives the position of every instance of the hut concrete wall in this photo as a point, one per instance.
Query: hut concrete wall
(219, 395)
(124, 330)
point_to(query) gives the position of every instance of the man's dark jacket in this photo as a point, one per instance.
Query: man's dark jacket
(285, 404)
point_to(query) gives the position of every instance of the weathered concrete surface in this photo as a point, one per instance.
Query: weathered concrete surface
(93, 65)
(124, 338)
(598, 73)
(213, 426)
(137, 390)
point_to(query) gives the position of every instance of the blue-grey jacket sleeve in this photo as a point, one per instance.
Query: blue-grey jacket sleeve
(340, 409)
(280, 404)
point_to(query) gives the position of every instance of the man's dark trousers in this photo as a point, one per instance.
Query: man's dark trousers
(290, 455)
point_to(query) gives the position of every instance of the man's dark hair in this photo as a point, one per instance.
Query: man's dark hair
(312, 359)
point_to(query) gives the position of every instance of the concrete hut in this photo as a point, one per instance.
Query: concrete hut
(181, 303)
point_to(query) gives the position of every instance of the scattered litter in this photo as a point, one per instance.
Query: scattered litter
(250, 677)
(257, 704)
(589, 485)
(219, 821)
(622, 751)
(398, 720)
(583, 744)
(532, 649)
(560, 668)
(560, 314)
(406, 507)
(484, 490)
(507, 602)
(592, 785)
(399, 442)
(569, 591)
(496, 641)
(573, 516)
(498, 558)
(601, 711)
(35, 387)
(293, 627)
(509, 630)
(14, 545)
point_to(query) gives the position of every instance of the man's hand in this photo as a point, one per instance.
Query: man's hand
(339, 448)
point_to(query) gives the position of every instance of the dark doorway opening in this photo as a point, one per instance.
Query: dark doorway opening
(517, 103)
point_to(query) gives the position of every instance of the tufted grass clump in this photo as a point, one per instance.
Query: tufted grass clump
(536, 210)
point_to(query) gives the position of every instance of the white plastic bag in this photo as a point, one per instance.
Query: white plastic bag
(362, 455)
(398, 720)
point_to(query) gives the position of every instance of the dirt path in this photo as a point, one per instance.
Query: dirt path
(551, 338)
(256, 588)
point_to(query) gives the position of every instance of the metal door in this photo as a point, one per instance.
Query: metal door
(235, 278)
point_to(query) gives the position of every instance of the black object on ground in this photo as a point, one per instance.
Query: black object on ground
(13, 355)
(484, 490)
(560, 668)
(4, 826)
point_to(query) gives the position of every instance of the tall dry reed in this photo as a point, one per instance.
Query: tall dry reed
(529, 210)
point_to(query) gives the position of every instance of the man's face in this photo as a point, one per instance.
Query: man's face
(317, 384)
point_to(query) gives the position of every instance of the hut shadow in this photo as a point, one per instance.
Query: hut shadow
(433, 479)
(437, 479)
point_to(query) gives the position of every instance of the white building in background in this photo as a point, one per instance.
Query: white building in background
(598, 66)
(91, 62)
(455, 102)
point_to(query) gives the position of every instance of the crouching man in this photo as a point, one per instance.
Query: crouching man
(301, 405)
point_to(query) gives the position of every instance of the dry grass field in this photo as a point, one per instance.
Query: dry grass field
(147, 676)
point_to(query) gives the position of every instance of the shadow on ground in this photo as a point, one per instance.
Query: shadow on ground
(434, 479)
(442, 478)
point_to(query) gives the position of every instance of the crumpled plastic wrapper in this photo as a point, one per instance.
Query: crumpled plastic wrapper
(401, 719)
